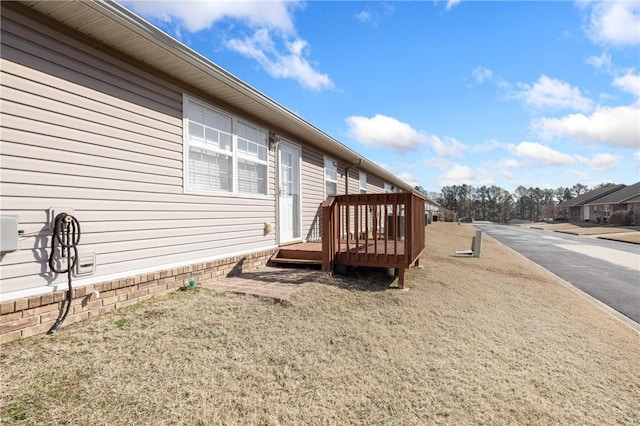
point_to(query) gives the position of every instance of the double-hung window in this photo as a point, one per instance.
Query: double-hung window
(252, 159)
(223, 154)
(330, 177)
(363, 182)
(210, 141)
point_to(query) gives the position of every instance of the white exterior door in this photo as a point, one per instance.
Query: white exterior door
(585, 212)
(288, 192)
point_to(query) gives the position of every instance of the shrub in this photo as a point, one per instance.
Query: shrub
(621, 217)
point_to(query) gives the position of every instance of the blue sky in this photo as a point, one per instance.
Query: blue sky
(502, 93)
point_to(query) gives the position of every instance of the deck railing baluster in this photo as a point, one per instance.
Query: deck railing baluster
(366, 232)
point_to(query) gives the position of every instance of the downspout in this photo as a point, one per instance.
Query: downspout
(346, 172)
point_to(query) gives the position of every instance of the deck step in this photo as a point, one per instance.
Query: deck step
(292, 256)
(290, 261)
(290, 253)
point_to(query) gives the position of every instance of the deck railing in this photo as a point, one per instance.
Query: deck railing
(384, 230)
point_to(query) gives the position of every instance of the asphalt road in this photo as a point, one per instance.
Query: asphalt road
(607, 270)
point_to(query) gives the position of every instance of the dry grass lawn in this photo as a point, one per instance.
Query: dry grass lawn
(474, 341)
(632, 237)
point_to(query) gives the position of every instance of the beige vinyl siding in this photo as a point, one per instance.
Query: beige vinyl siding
(98, 133)
(375, 185)
(312, 193)
(354, 181)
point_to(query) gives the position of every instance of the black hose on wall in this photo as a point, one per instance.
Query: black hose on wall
(64, 245)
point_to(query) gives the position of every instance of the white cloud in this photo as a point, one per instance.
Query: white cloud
(581, 175)
(615, 126)
(438, 163)
(602, 62)
(458, 175)
(628, 82)
(540, 154)
(480, 74)
(388, 132)
(385, 132)
(375, 14)
(199, 15)
(449, 147)
(451, 4)
(508, 163)
(408, 177)
(602, 162)
(614, 22)
(553, 93)
(487, 146)
(405, 176)
(289, 62)
(365, 17)
(270, 20)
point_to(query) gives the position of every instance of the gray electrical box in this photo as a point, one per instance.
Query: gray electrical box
(9, 234)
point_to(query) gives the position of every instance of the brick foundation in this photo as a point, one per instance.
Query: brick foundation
(30, 316)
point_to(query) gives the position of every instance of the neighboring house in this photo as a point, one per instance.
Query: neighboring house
(578, 208)
(433, 210)
(174, 168)
(625, 199)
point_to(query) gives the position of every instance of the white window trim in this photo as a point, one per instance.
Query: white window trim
(235, 155)
(325, 180)
(362, 175)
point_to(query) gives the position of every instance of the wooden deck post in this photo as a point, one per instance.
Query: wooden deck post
(401, 277)
(328, 234)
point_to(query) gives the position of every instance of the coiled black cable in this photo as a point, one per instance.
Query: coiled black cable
(64, 245)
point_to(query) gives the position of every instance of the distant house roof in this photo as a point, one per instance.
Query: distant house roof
(620, 196)
(432, 202)
(587, 197)
(114, 25)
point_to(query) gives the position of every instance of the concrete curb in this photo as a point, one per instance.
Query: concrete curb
(606, 308)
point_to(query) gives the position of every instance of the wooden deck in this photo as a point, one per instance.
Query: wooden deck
(382, 254)
(374, 230)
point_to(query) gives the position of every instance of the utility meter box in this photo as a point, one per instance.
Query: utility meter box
(9, 234)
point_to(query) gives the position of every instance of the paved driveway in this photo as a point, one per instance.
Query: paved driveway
(606, 270)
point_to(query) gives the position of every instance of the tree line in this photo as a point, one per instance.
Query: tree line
(499, 205)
